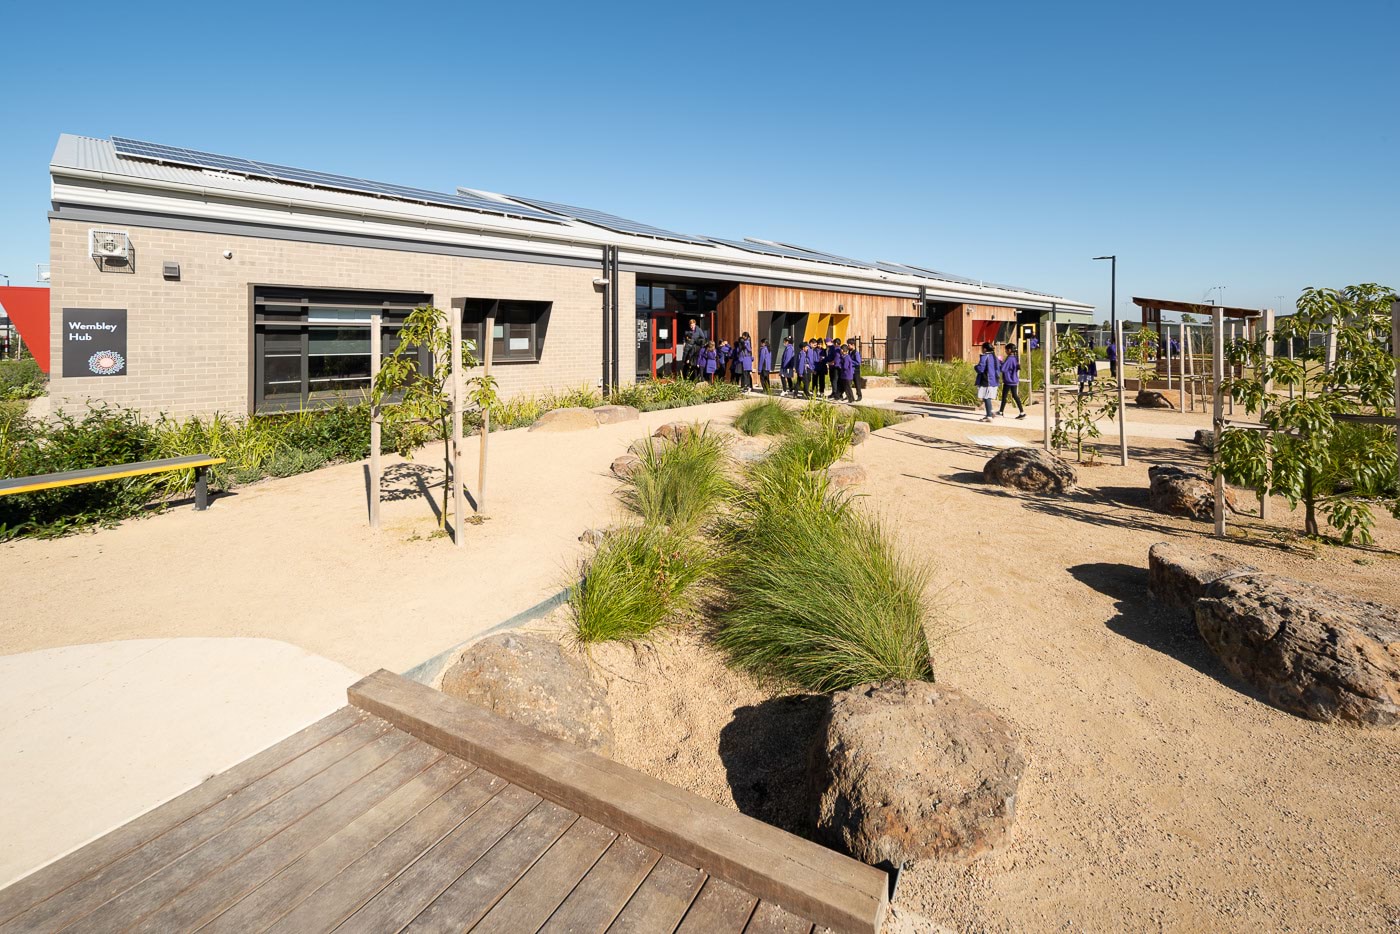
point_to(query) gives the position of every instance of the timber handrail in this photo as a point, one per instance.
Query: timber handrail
(200, 463)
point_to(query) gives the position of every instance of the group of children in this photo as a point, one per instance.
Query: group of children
(803, 368)
(1004, 372)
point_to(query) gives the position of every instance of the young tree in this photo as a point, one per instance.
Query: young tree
(418, 404)
(1142, 350)
(1077, 420)
(1311, 454)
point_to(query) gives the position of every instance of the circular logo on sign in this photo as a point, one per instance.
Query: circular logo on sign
(106, 362)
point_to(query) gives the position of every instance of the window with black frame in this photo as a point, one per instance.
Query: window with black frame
(518, 330)
(312, 346)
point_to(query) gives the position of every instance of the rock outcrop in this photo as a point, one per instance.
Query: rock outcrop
(907, 770)
(1205, 438)
(1181, 491)
(1032, 469)
(625, 465)
(1179, 577)
(860, 431)
(1310, 650)
(1152, 399)
(529, 679)
(841, 476)
(612, 414)
(570, 419)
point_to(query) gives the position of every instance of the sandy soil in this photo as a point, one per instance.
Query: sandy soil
(1161, 793)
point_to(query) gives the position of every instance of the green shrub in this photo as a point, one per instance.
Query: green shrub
(766, 417)
(634, 582)
(876, 418)
(22, 379)
(679, 483)
(812, 447)
(952, 383)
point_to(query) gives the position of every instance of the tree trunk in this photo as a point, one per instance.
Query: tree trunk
(447, 479)
(1309, 504)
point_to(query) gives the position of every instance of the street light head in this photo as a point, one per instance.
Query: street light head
(1105, 257)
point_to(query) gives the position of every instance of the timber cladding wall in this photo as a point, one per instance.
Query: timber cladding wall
(962, 335)
(189, 344)
(849, 314)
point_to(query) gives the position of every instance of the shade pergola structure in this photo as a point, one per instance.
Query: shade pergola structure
(1152, 309)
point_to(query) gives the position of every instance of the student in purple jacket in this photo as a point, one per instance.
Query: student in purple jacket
(1011, 381)
(858, 381)
(833, 362)
(818, 367)
(787, 367)
(806, 370)
(846, 371)
(765, 364)
(988, 375)
(709, 362)
(724, 355)
(743, 362)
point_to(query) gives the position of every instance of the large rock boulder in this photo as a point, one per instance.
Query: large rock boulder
(642, 445)
(841, 476)
(1182, 491)
(625, 465)
(1312, 651)
(1205, 438)
(860, 431)
(612, 414)
(907, 770)
(570, 419)
(1032, 469)
(1179, 577)
(529, 679)
(1152, 399)
(674, 431)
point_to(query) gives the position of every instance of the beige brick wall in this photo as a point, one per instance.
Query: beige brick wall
(188, 341)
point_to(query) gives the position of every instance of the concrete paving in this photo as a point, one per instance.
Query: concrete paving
(95, 735)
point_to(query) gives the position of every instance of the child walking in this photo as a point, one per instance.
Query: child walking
(858, 381)
(787, 368)
(1011, 381)
(743, 362)
(846, 370)
(708, 362)
(806, 370)
(987, 369)
(819, 367)
(724, 356)
(765, 364)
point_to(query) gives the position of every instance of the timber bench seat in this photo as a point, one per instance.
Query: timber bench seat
(199, 462)
(413, 810)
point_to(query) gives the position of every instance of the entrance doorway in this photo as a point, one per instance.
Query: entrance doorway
(664, 313)
(665, 352)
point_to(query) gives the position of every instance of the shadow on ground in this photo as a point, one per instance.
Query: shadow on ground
(766, 750)
(1143, 619)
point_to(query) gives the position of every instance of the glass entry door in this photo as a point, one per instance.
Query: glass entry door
(665, 361)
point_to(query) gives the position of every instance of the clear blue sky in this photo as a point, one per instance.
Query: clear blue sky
(1245, 144)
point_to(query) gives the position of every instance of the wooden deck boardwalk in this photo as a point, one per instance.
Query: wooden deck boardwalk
(411, 811)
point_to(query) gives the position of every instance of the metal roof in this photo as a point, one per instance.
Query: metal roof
(91, 158)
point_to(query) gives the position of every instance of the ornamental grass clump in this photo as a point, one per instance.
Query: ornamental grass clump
(876, 418)
(680, 483)
(811, 447)
(635, 582)
(766, 417)
(945, 383)
(793, 613)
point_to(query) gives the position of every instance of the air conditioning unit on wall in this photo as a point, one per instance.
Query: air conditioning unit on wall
(109, 244)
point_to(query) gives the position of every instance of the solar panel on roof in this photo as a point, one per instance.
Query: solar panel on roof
(765, 248)
(132, 148)
(830, 257)
(610, 221)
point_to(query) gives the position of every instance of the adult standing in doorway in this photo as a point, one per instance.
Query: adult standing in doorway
(695, 340)
(988, 368)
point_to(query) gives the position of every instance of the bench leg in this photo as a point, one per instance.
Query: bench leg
(201, 489)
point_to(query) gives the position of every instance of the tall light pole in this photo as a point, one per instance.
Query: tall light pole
(7, 278)
(1112, 293)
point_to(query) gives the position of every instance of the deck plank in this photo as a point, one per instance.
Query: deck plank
(661, 900)
(78, 865)
(284, 891)
(720, 908)
(402, 895)
(817, 882)
(231, 843)
(472, 894)
(596, 900)
(213, 893)
(121, 874)
(342, 892)
(768, 918)
(532, 899)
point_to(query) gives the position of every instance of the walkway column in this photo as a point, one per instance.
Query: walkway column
(488, 341)
(376, 341)
(1267, 325)
(458, 391)
(1218, 420)
(1045, 340)
(1122, 405)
